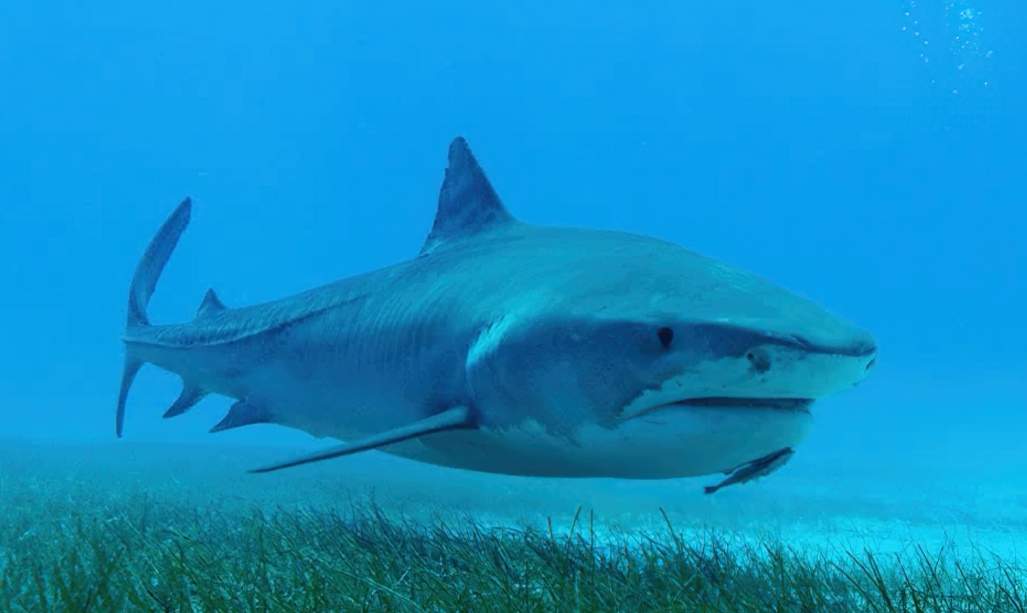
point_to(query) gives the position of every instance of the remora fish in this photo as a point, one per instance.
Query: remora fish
(754, 470)
(512, 348)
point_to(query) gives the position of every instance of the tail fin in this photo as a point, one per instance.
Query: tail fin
(143, 283)
(149, 268)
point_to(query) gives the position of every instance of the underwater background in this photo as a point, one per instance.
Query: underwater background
(870, 156)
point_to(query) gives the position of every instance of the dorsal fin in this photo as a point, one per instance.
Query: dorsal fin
(467, 202)
(211, 305)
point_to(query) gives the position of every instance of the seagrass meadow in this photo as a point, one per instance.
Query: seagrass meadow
(171, 528)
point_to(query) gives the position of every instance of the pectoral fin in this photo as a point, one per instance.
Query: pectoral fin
(451, 419)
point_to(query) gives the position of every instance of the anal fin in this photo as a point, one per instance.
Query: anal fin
(451, 419)
(241, 414)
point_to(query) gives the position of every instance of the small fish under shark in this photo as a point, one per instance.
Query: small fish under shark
(755, 469)
(513, 348)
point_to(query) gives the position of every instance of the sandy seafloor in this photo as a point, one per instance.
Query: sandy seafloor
(810, 507)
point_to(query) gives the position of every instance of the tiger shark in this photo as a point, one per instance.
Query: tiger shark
(513, 348)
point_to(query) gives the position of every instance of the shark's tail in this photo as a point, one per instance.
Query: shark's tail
(143, 283)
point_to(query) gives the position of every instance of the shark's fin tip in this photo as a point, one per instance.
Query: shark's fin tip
(457, 144)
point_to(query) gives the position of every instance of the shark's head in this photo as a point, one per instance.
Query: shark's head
(707, 366)
(650, 359)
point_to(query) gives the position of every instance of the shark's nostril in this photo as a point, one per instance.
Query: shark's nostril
(871, 363)
(759, 360)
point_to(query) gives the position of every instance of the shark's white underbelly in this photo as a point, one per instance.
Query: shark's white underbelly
(675, 442)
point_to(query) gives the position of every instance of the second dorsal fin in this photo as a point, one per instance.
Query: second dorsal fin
(467, 202)
(211, 305)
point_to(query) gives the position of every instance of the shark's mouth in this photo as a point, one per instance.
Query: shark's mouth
(796, 405)
(780, 404)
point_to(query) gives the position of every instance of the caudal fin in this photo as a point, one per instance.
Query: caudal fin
(153, 261)
(143, 283)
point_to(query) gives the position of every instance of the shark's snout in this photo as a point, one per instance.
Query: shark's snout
(845, 360)
(732, 365)
(857, 344)
(801, 366)
(759, 343)
(741, 392)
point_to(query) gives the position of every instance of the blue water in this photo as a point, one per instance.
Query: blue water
(870, 156)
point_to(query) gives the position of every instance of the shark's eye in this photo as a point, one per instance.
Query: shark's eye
(666, 336)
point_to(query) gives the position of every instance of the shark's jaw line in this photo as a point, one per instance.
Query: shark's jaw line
(801, 405)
